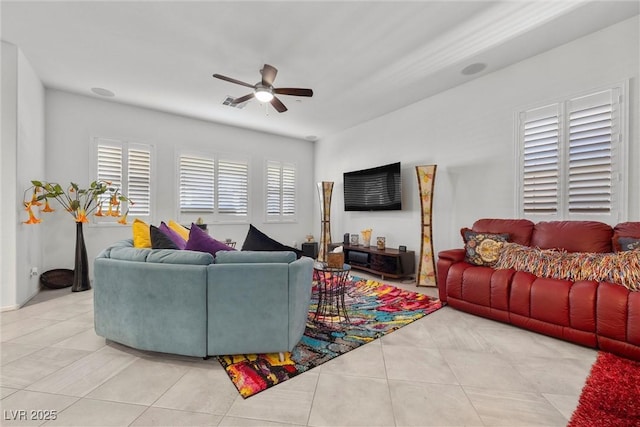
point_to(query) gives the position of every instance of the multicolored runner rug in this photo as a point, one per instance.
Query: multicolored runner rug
(375, 309)
(610, 395)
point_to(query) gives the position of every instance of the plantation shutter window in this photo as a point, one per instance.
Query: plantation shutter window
(139, 181)
(590, 153)
(110, 163)
(288, 190)
(233, 188)
(127, 166)
(214, 189)
(540, 130)
(571, 158)
(197, 179)
(280, 191)
(109, 167)
(273, 188)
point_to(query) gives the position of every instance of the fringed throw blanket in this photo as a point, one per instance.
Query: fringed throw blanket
(622, 268)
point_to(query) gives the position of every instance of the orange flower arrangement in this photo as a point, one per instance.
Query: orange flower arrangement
(79, 202)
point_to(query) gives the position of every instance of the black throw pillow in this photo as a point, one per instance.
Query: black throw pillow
(159, 240)
(256, 240)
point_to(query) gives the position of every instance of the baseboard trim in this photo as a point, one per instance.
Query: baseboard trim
(19, 306)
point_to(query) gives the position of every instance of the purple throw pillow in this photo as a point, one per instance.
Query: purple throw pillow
(172, 235)
(200, 241)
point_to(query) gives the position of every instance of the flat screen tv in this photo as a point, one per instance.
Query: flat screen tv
(375, 189)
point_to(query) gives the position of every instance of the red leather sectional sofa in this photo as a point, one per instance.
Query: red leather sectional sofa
(594, 314)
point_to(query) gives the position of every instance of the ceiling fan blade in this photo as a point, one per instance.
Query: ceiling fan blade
(229, 79)
(242, 99)
(278, 105)
(268, 74)
(293, 91)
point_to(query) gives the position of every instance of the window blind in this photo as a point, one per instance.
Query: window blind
(109, 167)
(571, 164)
(197, 178)
(218, 187)
(281, 190)
(274, 180)
(233, 188)
(540, 130)
(590, 153)
(109, 163)
(288, 190)
(139, 181)
(127, 166)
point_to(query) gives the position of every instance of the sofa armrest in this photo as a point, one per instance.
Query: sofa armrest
(453, 255)
(300, 285)
(445, 260)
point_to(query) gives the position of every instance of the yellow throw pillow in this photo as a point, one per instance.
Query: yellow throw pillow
(141, 234)
(179, 229)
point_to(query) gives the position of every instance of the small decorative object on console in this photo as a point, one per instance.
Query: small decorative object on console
(380, 242)
(366, 237)
(310, 249)
(335, 258)
(355, 240)
(402, 248)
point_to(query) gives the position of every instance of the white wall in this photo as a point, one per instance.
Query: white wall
(22, 154)
(469, 132)
(72, 120)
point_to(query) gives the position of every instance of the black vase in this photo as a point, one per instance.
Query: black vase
(81, 270)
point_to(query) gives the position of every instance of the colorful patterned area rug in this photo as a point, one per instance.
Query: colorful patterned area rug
(375, 309)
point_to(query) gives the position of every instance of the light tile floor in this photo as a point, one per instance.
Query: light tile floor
(447, 369)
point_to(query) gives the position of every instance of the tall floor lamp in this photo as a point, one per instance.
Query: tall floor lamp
(325, 189)
(426, 269)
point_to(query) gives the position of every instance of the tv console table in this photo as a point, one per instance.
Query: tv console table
(384, 262)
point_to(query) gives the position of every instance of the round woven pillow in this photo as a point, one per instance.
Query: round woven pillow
(57, 279)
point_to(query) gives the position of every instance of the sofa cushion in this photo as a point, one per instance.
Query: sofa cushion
(573, 236)
(242, 257)
(483, 248)
(256, 240)
(628, 243)
(173, 235)
(200, 241)
(141, 234)
(130, 254)
(172, 256)
(625, 229)
(519, 230)
(159, 240)
(622, 268)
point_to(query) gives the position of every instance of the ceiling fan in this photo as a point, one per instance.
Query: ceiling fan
(264, 90)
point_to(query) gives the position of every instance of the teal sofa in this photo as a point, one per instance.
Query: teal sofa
(187, 303)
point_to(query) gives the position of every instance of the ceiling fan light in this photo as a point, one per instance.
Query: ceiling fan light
(263, 95)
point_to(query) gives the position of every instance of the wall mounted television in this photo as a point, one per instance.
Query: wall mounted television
(375, 189)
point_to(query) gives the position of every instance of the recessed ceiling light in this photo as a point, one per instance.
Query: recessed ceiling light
(102, 92)
(474, 68)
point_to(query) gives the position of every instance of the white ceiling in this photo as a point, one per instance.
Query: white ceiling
(363, 59)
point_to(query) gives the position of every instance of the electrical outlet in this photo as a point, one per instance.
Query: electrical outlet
(34, 271)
